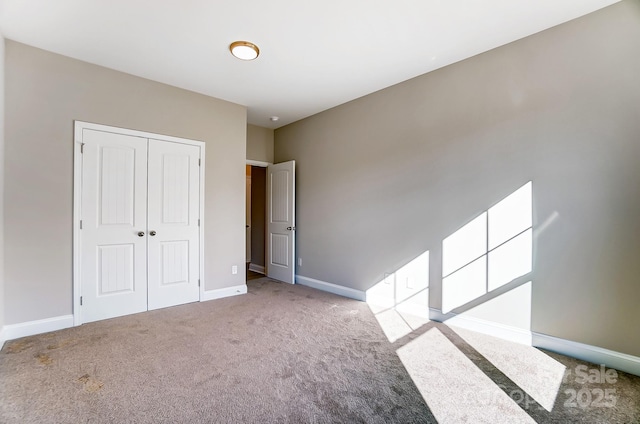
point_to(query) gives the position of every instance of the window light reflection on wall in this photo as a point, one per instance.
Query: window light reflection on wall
(490, 251)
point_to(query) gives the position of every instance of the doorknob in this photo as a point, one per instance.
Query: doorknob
(291, 228)
(141, 234)
(152, 233)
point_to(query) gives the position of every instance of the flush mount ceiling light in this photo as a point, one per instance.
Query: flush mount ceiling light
(244, 50)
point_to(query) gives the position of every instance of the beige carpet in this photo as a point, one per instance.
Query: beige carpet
(291, 354)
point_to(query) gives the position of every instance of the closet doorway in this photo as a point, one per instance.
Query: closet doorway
(137, 221)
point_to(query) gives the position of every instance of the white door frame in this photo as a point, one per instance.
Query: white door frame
(258, 163)
(77, 200)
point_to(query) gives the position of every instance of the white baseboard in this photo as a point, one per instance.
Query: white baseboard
(30, 328)
(24, 329)
(331, 288)
(225, 292)
(438, 315)
(597, 355)
(256, 268)
(585, 352)
(502, 331)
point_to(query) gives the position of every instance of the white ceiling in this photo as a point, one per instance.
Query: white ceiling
(315, 54)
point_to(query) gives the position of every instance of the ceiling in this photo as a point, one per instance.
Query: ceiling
(314, 54)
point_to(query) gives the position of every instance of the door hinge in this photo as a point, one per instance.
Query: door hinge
(81, 147)
(198, 283)
(199, 162)
(198, 222)
(81, 224)
(80, 300)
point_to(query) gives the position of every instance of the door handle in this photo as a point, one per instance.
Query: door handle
(291, 228)
(141, 234)
(152, 233)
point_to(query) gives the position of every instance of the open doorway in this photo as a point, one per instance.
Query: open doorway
(271, 220)
(256, 221)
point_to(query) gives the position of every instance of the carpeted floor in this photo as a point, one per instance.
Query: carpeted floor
(292, 354)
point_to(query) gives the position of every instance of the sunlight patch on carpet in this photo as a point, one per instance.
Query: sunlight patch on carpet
(453, 387)
(397, 322)
(539, 375)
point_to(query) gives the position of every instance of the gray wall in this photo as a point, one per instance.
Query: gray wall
(388, 176)
(258, 213)
(45, 93)
(259, 144)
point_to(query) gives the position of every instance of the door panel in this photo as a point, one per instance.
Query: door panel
(115, 269)
(280, 249)
(281, 221)
(114, 265)
(174, 208)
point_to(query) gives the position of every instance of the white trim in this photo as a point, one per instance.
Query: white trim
(585, 352)
(331, 288)
(77, 199)
(437, 315)
(76, 262)
(502, 331)
(258, 163)
(257, 268)
(30, 328)
(225, 292)
(2, 338)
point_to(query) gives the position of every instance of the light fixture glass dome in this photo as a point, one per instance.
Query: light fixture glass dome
(244, 50)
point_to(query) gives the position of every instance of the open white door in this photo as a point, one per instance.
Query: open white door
(281, 221)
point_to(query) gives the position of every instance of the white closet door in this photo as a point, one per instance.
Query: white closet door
(114, 222)
(173, 201)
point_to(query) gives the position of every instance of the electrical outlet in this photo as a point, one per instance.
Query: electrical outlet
(299, 261)
(234, 269)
